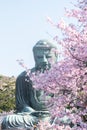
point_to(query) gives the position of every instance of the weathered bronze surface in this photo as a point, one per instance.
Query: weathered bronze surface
(30, 107)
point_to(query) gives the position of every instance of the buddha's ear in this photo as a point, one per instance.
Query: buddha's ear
(55, 51)
(56, 54)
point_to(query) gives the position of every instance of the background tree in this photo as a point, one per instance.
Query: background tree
(7, 93)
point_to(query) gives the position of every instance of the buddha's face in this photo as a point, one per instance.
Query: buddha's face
(44, 57)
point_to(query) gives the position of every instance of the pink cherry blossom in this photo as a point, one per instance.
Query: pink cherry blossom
(67, 79)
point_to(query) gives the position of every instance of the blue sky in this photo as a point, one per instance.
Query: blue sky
(22, 24)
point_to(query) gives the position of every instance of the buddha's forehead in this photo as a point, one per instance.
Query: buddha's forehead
(43, 50)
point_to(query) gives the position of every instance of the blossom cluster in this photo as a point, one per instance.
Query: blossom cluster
(67, 79)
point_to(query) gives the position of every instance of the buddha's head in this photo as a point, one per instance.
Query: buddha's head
(44, 54)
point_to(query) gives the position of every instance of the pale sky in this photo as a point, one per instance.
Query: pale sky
(22, 24)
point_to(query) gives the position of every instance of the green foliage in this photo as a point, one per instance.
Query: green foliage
(7, 93)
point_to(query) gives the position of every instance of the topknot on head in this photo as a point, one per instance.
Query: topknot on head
(44, 44)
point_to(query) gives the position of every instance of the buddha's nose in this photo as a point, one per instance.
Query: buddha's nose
(45, 59)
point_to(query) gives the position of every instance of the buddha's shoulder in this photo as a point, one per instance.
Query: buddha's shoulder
(25, 73)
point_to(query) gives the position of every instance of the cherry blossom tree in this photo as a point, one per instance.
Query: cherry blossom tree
(67, 79)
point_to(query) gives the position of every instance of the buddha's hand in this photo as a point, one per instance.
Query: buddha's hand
(40, 113)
